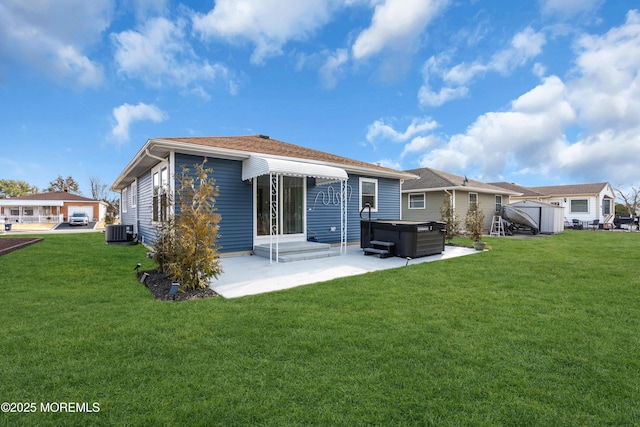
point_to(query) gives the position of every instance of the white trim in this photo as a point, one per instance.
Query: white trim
(125, 199)
(256, 166)
(142, 160)
(134, 194)
(14, 202)
(469, 199)
(424, 201)
(376, 199)
(586, 199)
(274, 238)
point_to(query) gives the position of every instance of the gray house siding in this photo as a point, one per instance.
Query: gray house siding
(431, 212)
(234, 202)
(127, 211)
(146, 230)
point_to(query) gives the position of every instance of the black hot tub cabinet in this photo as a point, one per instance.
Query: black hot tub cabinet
(410, 238)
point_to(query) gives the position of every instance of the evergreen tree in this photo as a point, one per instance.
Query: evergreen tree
(13, 188)
(67, 184)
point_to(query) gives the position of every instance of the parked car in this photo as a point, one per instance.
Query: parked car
(79, 218)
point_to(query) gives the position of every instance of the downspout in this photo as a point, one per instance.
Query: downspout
(153, 156)
(453, 201)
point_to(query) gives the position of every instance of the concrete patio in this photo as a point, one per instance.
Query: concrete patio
(251, 275)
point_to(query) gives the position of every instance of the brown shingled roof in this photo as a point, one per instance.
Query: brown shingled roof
(433, 178)
(567, 190)
(55, 195)
(265, 145)
(527, 192)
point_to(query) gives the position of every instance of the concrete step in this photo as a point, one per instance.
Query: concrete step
(296, 251)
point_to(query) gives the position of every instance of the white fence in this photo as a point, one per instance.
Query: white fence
(32, 219)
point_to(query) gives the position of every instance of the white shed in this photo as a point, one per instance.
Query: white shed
(550, 217)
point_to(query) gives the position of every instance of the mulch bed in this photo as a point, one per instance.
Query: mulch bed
(159, 285)
(11, 244)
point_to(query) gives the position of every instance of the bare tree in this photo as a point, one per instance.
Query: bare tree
(631, 199)
(99, 190)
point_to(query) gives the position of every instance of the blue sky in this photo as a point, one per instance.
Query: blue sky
(538, 93)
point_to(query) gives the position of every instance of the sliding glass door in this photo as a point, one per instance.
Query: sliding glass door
(289, 211)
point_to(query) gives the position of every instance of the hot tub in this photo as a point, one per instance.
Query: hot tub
(410, 238)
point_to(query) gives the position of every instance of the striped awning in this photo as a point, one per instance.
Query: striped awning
(256, 166)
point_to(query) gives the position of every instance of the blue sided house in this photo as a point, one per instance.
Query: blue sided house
(271, 193)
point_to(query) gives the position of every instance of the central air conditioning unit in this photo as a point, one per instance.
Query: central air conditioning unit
(119, 234)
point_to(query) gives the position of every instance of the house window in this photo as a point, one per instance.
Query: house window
(580, 206)
(606, 207)
(417, 201)
(125, 200)
(134, 195)
(160, 203)
(473, 199)
(369, 193)
(15, 211)
(498, 203)
(28, 211)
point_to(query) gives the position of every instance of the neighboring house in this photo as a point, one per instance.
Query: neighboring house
(422, 198)
(581, 202)
(267, 189)
(50, 207)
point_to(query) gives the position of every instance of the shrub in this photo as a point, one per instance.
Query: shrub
(474, 222)
(450, 218)
(186, 246)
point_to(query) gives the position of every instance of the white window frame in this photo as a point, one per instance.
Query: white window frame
(163, 187)
(375, 196)
(469, 199)
(498, 196)
(415, 195)
(125, 199)
(134, 194)
(578, 212)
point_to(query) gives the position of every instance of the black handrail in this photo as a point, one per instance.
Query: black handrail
(367, 205)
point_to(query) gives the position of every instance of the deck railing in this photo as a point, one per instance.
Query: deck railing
(33, 219)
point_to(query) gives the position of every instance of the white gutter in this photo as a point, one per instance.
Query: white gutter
(239, 154)
(153, 156)
(497, 190)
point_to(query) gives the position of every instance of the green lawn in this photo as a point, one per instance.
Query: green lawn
(542, 331)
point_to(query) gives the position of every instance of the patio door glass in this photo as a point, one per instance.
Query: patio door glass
(290, 209)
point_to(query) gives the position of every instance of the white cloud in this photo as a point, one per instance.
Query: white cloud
(52, 36)
(606, 89)
(159, 54)
(419, 144)
(531, 133)
(396, 25)
(333, 67)
(268, 24)
(568, 8)
(598, 105)
(426, 96)
(606, 94)
(524, 46)
(126, 114)
(380, 130)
